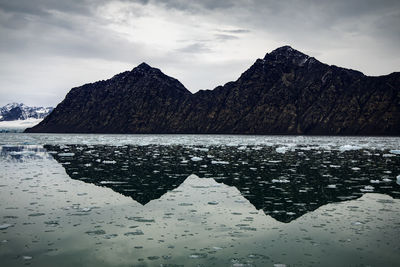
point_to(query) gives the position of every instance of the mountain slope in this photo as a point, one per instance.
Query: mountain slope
(286, 92)
(142, 100)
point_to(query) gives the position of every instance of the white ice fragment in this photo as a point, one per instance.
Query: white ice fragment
(367, 188)
(349, 147)
(281, 149)
(109, 161)
(355, 169)
(398, 179)
(374, 181)
(331, 186)
(387, 180)
(5, 226)
(219, 162)
(196, 159)
(395, 151)
(388, 155)
(279, 265)
(282, 181)
(66, 154)
(27, 257)
(86, 209)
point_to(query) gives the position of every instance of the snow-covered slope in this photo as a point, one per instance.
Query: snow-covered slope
(16, 111)
(18, 117)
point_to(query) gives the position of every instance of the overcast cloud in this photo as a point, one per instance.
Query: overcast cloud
(48, 46)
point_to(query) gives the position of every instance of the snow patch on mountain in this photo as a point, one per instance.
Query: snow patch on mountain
(16, 117)
(20, 111)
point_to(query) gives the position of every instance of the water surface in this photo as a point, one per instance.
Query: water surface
(151, 200)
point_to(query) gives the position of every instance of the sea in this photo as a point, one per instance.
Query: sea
(199, 200)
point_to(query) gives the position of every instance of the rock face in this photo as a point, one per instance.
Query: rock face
(19, 111)
(286, 92)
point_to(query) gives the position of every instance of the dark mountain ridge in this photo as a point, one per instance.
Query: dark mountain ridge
(286, 92)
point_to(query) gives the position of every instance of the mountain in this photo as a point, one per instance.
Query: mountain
(19, 111)
(286, 92)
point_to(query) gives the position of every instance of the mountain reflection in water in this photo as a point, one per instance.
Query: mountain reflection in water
(284, 184)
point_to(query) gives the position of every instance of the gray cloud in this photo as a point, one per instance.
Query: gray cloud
(235, 31)
(199, 47)
(226, 37)
(50, 35)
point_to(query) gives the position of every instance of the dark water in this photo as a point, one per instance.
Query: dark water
(178, 200)
(283, 185)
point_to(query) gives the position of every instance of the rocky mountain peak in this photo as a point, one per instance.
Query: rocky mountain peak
(143, 66)
(287, 54)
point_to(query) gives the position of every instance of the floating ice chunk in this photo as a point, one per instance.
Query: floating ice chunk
(219, 162)
(274, 161)
(374, 181)
(109, 161)
(282, 181)
(367, 188)
(27, 257)
(331, 186)
(395, 151)
(388, 155)
(279, 265)
(349, 147)
(66, 154)
(196, 159)
(86, 209)
(281, 149)
(113, 182)
(17, 153)
(387, 180)
(5, 226)
(198, 255)
(355, 169)
(398, 179)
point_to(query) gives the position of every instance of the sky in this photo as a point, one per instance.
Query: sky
(49, 46)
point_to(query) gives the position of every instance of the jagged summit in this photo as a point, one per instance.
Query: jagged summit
(286, 51)
(287, 54)
(143, 66)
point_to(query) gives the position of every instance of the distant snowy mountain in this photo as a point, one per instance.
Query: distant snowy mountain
(15, 111)
(17, 117)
